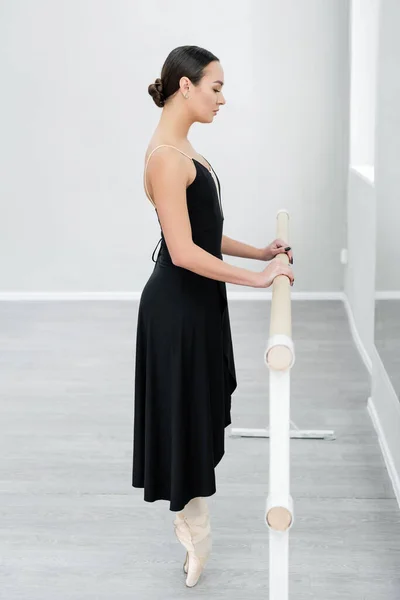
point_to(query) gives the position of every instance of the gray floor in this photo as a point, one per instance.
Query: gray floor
(71, 525)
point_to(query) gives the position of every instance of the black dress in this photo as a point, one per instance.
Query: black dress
(184, 366)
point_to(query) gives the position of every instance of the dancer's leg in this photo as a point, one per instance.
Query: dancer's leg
(195, 507)
(192, 528)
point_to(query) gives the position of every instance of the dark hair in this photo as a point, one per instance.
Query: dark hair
(184, 61)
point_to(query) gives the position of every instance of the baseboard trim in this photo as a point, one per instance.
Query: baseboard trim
(251, 295)
(367, 360)
(67, 296)
(122, 296)
(387, 455)
(387, 295)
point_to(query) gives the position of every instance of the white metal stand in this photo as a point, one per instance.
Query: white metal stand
(311, 434)
(286, 342)
(279, 513)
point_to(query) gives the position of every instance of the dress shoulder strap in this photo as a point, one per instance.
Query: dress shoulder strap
(147, 162)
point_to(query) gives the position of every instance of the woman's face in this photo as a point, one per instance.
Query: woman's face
(207, 97)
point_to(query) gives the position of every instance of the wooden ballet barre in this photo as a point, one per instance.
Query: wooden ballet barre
(279, 355)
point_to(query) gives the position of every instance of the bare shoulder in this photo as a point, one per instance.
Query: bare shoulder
(161, 150)
(164, 159)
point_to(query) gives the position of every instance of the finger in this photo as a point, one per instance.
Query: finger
(289, 251)
(289, 272)
(283, 251)
(284, 247)
(289, 277)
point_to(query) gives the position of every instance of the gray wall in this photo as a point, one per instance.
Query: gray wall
(388, 150)
(76, 119)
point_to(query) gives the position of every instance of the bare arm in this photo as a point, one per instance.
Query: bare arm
(240, 249)
(203, 263)
(169, 173)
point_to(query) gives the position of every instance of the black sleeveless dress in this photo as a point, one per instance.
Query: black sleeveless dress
(184, 367)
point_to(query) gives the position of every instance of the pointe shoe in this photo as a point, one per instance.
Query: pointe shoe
(195, 569)
(195, 536)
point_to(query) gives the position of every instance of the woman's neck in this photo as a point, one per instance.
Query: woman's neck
(174, 125)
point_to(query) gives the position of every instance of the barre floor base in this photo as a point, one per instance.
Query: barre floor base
(311, 434)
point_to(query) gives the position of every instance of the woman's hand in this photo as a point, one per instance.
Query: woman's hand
(276, 267)
(278, 246)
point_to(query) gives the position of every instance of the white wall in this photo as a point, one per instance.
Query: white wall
(385, 405)
(302, 79)
(361, 201)
(373, 221)
(364, 41)
(76, 119)
(360, 270)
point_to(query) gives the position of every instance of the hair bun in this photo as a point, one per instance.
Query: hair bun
(156, 92)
